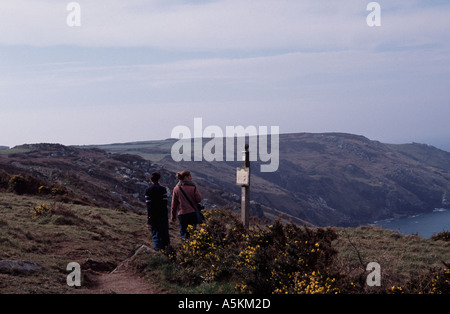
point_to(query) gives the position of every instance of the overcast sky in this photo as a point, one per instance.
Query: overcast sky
(134, 70)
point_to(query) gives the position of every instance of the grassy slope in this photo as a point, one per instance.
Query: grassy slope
(73, 233)
(76, 233)
(400, 256)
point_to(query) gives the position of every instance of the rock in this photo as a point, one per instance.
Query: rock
(117, 195)
(19, 267)
(136, 259)
(140, 249)
(98, 266)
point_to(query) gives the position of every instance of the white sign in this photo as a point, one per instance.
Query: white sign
(243, 176)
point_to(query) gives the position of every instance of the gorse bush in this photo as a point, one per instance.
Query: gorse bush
(41, 210)
(440, 282)
(27, 184)
(32, 185)
(17, 184)
(444, 236)
(4, 180)
(284, 258)
(60, 194)
(280, 258)
(435, 281)
(44, 190)
(211, 249)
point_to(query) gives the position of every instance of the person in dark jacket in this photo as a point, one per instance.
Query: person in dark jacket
(157, 214)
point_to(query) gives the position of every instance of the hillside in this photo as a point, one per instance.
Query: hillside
(323, 179)
(104, 242)
(327, 179)
(89, 176)
(98, 239)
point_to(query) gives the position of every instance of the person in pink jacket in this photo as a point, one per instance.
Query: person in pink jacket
(184, 204)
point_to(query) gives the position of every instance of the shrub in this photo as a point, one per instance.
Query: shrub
(17, 184)
(281, 258)
(58, 191)
(444, 236)
(284, 258)
(440, 283)
(212, 246)
(24, 185)
(4, 180)
(435, 281)
(41, 210)
(45, 190)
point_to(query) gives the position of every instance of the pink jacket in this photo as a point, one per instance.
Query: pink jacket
(180, 205)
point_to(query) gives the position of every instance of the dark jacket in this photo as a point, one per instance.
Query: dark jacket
(156, 200)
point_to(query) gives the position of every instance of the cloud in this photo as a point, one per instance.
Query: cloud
(332, 81)
(303, 65)
(220, 25)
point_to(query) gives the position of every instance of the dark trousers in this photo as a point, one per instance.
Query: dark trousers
(186, 220)
(160, 233)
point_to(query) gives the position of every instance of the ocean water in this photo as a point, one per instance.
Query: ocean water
(424, 225)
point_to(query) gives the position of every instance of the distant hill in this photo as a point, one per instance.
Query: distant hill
(4, 147)
(90, 176)
(323, 179)
(329, 178)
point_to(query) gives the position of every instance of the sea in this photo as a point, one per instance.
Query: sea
(424, 225)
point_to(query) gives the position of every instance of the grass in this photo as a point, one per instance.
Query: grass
(150, 150)
(71, 233)
(410, 263)
(15, 150)
(75, 233)
(172, 278)
(401, 257)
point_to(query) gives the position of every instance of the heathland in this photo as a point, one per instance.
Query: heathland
(116, 256)
(308, 233)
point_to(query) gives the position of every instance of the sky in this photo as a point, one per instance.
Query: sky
(135, 70)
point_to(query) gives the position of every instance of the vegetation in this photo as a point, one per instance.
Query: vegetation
(53, 234)
(444, 236)
(221, 256)
(31, 185)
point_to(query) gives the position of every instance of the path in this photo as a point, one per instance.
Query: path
(122, 280)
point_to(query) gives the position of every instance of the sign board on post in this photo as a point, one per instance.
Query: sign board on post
(243, 177)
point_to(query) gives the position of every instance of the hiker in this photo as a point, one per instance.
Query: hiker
(157, 218)
(185, 201)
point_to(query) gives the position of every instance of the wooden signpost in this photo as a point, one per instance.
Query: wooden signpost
(243, 179)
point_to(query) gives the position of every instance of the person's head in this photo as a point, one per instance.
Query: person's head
(184, 175)
(155, 177)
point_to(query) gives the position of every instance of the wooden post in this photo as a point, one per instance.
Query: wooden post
(245, 194)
